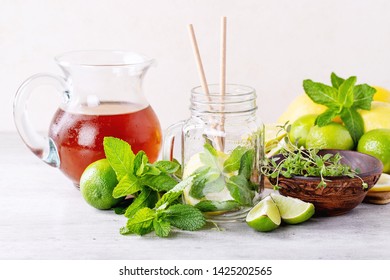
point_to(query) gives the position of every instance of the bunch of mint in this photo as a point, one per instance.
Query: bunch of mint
(156, 193)
(343, 99)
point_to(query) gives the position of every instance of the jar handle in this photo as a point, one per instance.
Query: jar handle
(42, 146)
(170, 142)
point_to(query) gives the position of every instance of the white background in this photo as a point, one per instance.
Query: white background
(272, 45)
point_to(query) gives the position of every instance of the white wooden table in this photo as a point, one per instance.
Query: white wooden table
(44, 217)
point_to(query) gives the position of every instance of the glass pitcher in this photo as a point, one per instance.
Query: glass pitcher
(221, 146)
(102, 96)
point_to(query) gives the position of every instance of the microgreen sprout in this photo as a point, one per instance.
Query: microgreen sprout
(298, 161)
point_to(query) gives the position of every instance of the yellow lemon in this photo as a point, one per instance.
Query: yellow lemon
(383, 184)
(303, 105)
(377, 117)
(300, 106)
(382, 94)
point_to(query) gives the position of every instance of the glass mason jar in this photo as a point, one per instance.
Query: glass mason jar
(221, 146)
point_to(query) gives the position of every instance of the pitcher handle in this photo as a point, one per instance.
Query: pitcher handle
(169, 143)
(42, 146)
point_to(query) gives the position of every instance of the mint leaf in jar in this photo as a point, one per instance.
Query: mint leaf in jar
(233, 162)
(220, 177)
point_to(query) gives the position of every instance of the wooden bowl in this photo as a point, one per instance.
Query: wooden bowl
(341, 193)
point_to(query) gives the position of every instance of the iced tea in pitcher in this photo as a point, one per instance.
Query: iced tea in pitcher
(79, 134)
(102, 95)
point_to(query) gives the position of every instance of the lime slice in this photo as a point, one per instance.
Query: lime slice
(383, 184)
(293, 210)
(264, 216)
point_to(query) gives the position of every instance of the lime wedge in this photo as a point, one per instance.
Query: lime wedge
(264, 216)
(293, 210)
(383, 184)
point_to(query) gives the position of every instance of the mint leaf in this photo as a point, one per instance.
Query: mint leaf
(199, 182)
(246, 164)
(146, 198)
(210, 157)
(140, 163)
(343, 99)
(215, 183)
(119, 155)
(211, 205)
(327, 116)
(239, 189)
(336, 81)
(321, 93)
(174, 193)
(185, 217)
(353, 122)
(150, 169)
(346, 96)
(141, 223)
(363, 96)
(161, 227)
(211, 150)
(179, 171)
(206, 181)
(160, 183)
(129, 184)
(124, 231)
(120, 209)
(232, 163)
(167, 166)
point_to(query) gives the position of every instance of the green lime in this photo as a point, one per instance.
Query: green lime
(300, 129)
(293, 210)
(97, 184)
(376, 142)
(331, 136)
(264, 216)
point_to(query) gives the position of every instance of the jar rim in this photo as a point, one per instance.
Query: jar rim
(241, 90)
(237, 99)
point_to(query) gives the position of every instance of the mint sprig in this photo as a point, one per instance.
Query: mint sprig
(166, 213)
(135, 172)
(156, 193)
(344, 98)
